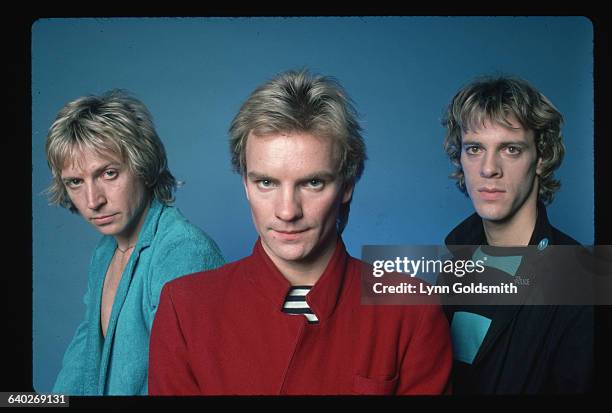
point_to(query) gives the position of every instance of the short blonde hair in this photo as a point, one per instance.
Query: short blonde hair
(296, 101)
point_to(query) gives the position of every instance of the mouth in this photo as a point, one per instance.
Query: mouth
(102, 219)
(288, 235)
(491, 194)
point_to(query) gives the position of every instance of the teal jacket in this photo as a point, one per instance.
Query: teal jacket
(168, 246)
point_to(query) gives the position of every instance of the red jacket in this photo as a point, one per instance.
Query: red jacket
(224, 332)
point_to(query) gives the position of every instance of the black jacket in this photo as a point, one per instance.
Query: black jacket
(526, 349)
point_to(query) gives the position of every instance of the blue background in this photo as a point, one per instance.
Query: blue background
(194, 73)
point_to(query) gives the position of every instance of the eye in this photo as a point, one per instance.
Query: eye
(472, 149)
(315, 183)
(73, 182)
(110, 173)
(265, 183)
(513, 150)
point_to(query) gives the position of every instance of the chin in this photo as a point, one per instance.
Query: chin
(292, 252)
(110, 230)
(289, 252)
(491, 213)
(107, 230)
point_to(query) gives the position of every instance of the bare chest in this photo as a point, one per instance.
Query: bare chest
(111, 283)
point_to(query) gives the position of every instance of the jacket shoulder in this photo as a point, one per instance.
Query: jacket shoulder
(173, 230)
(173, 223)
(561, 238)
(210, 282)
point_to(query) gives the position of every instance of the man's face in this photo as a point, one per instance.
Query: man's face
(295, 193)
(500, 166)
(106, 193)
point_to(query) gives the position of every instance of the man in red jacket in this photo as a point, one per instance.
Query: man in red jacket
(288, 318)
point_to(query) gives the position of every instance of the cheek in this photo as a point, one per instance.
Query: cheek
(259, 209)
(468, 176)
(326, 209)
(467, 168)
(527, 177)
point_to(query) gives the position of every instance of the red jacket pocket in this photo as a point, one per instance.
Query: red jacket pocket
(366, 385)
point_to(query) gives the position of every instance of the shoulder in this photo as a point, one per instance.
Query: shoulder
(172, 223)
(174, 228)
(561, 238)
(210, 284)
(567, 249)
(544, 228)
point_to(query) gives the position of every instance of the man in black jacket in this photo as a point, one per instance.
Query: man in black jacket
(504, 138)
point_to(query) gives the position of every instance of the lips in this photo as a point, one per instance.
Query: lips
(103, 219)
(491, 194)
(290, 235)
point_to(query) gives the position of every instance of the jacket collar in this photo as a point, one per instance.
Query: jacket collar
(149, 227)
(542, 231)
(471, 230)
(147, 232)
(324, 295)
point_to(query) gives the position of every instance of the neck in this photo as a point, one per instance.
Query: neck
(124, 250)
(309, 270)
(127, 240)
(514, 232)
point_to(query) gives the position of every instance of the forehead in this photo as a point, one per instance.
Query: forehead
(84, 159)
(489, 130)
(291, 153)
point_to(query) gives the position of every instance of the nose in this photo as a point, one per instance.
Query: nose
(289, 206)
(95, 196)
(490, 166)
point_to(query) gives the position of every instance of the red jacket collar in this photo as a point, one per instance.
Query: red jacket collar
(324, 295)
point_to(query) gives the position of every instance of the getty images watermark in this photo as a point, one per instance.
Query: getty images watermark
(482, 274)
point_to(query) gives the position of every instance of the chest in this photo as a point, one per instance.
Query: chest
(112, 279)
(266, 351)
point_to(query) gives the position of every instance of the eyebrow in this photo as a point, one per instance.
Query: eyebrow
(503, 143)
(96, 171)
(326, 175)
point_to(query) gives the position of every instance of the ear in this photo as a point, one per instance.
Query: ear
(246, 189)
(539, 166)
(347, 192)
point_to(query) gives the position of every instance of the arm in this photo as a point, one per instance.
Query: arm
(427, 364)
(72, 375)
(169, 370)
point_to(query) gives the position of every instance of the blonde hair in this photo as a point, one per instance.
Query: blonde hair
(296, 101)
(115, 123)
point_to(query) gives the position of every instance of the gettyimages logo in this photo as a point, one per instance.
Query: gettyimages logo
(416, 268)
